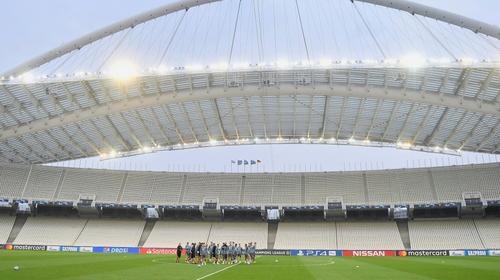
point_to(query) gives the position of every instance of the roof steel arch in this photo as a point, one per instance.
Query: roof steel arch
(403, 5)
(196, 94)
(201, 107)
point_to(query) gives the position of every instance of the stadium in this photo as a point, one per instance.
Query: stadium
(195, 75)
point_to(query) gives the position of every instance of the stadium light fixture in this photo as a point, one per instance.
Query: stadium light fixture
(123, 70)
(467, 61)
(162, 69)
(325, 62)
(413, 60)
(27, 77)
(404, 145)
(282, 64)
(221, 66)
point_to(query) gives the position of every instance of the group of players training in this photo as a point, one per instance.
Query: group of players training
(228, 253)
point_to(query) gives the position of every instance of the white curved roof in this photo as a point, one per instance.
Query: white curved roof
(280, 71)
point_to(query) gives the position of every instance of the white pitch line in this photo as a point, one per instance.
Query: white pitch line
(218, 271)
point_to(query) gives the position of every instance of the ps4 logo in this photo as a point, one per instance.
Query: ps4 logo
(308, 253)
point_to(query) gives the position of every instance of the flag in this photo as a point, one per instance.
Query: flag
(246, 161)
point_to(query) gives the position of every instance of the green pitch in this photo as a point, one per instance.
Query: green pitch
(48, 265)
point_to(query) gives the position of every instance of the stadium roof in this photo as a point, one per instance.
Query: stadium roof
(333, 72)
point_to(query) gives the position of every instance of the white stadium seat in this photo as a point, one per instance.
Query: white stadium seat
(444, 234)
(368, 235)
(319, 235)
(240, 233)
(6, 223)
(111, 232)
(169, 234)
(50, 231)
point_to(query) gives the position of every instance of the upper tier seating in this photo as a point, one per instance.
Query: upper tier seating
(440, 184)
(104, 184)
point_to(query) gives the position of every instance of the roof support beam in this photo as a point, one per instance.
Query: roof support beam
(407, 118)
(391, 119)
(74, 143)
(457, 127)
(90, 142)
(172, 120)
(421, 125)
(104, 32)
(469, 136)
(374, 117)
(248, 117)
(117, 133)
(358, 116)
(491, 134)
(339, 127)
(403, 5)
(146, 128)
(217, 113)
(325, 114)
(438, 14)
(191, 128)
(156, 120)
(132, 103)
(205, 125)
(437, 127)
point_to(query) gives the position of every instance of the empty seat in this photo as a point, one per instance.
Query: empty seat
(107, 232)
(320, 235)
(240, 233)
(6, 224)
(169, 234)
(444, 234)
(50, 231)
(368, 235)
(489, 231)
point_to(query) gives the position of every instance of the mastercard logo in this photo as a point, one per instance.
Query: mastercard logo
(402, 253)
(8, 247)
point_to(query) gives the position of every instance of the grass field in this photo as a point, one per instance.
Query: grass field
(49, 265)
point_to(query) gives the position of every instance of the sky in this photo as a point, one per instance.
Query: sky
(32, 27)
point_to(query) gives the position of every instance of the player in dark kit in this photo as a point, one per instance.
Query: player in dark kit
(193, 252)
(179, 253)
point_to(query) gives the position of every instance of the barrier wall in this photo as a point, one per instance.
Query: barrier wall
(297, 252)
